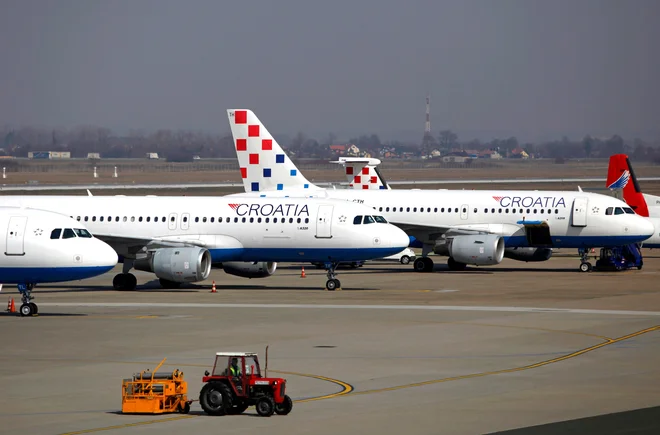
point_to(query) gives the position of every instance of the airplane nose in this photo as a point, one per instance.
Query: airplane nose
(646, 227)
(104, 255)
(398, 238)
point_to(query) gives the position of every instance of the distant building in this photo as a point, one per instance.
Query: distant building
(456, 157)
(152, 156)
(49, 154)
(519, 153)
(93, 155)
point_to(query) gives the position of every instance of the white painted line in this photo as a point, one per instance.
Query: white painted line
(445, 291)
(352, 307)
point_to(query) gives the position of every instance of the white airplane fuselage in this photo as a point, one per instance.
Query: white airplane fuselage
(232, 229)
(575, 219)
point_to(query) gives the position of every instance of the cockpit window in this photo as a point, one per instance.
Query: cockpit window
(81, 232)
(68, 234)
(628, 210)
(609, 211)
(380, 219)
(55, 234)
(368, 220)
(618, 210)
(357, 220)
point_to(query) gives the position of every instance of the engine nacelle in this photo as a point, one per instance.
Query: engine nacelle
(246, 269)
(177, 264)
(528, 254)
(478, 249)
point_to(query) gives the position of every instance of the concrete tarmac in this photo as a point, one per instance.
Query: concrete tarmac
(519, 346)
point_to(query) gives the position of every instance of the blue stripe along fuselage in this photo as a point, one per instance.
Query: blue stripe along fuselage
(36, 275)
(577, 241)
(300, 254)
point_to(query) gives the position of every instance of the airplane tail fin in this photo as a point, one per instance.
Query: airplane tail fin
(362, 173)
(620, 175)
(264, 164)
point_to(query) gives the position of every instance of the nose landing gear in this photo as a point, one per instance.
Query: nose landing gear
(332, 283)
(27, 308)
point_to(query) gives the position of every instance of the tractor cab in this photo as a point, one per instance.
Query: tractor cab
(238, 367)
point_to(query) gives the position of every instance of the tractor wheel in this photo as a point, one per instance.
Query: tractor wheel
(215, 399)
(285, 407)
(265, 406)
(238, 408)
(185, 408)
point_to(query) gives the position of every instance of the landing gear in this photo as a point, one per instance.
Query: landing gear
(27, 308)
(332, 283)
(585, 266)
(125, 280)
(455, 265)
(423, 264)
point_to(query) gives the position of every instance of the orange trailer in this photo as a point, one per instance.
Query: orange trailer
(151, 393)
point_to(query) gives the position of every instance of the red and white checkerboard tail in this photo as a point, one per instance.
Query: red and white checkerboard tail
(362, 173)
(264, 164)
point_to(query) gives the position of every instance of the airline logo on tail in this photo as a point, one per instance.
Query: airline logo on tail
(621, 182)
(362, 174)
(264, 165)
(620, 175)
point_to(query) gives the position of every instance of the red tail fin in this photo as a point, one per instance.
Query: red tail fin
(620, 175)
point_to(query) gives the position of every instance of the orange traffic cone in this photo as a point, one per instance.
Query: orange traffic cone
(213, 288)
(302, 274)
(11, 307)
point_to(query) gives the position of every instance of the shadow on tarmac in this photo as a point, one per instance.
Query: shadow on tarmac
(637, 422)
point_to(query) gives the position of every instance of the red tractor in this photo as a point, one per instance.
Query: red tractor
(236, 383)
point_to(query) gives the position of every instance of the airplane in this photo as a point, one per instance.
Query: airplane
(470, 227)
(620, 175)
(362, 173)
(179, 239)
(42, 246)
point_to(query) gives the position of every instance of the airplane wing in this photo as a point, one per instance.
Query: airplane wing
(430, 233)
(135, 244)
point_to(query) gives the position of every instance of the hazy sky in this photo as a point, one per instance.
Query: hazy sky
(493, 67)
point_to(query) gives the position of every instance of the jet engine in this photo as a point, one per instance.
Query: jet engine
(177, 264)
(478, 249)
(246, 269)
(528, 254)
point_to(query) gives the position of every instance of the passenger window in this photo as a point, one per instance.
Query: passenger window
(172, 219)
(408, 209)
(212, 219)
(93, 218)
(266, 220)
(204, 219)
(435, 210)
(475, 209)
(618, 210)
(556, 211)
(506, 210)
(298, 220)
(78, 218)
(357, 220)
(306, 220)
(485, 210)
(274, 220)
(55, 234)
(251, 220)
(387, 209)
(290, 220)
(140, 219)
(456, 210)
(243, 220)
(81, 232)
(148, 218)
(380, 208)
(235, 220)
(415, 209)
(68, 234)
(368, 220)
(101, 218)
(86, 218)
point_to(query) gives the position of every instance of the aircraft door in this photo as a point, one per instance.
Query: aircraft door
(171, 221)
(324, 222)
(185, 221)
(580, 212)
(15, 235)
(464, 211)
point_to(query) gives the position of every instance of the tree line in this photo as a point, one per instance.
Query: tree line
(182, 145)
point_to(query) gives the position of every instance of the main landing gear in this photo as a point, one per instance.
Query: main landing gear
(585, 266)
(27, 308)
(423, 264)
(125, 280)
(332, 283)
